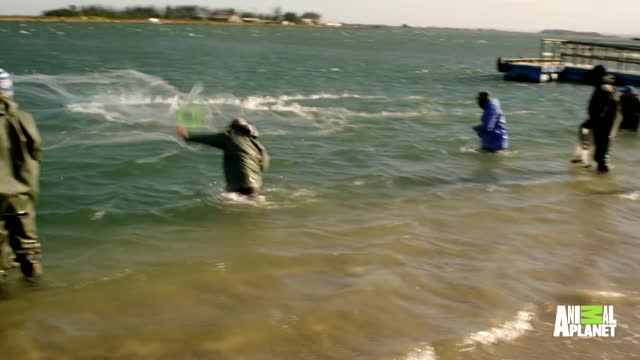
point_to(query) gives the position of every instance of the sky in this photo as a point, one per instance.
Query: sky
(609, 17)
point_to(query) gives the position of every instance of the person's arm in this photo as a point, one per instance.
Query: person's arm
(30, 142)
(218, 140)
(34, 141)
(264, 164)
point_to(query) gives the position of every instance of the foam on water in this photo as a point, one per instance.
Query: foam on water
(130, 97)
(505, 332)
(140, 109)
(239, 199)
(270, 198)
(97, 109)
(635, 195)
(424, 352)
(578, 296)
(609, 294)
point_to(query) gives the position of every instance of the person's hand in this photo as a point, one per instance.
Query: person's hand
(181, 132)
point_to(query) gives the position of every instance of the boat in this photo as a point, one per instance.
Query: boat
(568, 60)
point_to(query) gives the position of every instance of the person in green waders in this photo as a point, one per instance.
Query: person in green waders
(245, 159)
(20, 149)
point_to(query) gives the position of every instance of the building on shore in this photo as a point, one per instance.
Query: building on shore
(223, 16)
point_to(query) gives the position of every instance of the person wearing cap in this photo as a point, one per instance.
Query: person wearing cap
(493, 124)
(603, 110)
(19, 176)
(630, 105)
(245, 159)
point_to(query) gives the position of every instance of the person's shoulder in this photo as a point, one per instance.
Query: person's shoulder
(25, 118)
(608, 88)
(24, 114)
(494, 105)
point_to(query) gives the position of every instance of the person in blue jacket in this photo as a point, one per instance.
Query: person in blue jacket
(493, 124)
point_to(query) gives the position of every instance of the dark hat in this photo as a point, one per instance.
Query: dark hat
(597, 72)
(241, 125)
(484, 94)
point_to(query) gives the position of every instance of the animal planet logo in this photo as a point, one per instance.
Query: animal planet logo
(585, 321)
(190, 117)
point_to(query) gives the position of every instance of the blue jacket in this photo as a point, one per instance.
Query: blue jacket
(493, 127)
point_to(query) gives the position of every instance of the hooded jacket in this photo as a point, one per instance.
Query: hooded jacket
(603, 105)
(245, 159)
(493, 127)
(20, 151)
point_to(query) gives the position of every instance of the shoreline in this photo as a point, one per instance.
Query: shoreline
(99, 20)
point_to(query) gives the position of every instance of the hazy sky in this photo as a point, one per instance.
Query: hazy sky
(611, 16)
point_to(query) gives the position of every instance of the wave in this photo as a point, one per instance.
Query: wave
(278, 198)
(133, 98)
(97, 109)
(505, 332)
(584, 296)
(424, 352)
(634, 195)
(120, 108)
(130, 96)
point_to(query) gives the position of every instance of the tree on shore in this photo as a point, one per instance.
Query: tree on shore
(172, 12)
(184, 12)
(61, 13)
(291, 17)
(311, 15)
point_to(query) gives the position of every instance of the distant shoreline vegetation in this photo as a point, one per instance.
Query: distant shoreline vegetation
(191, 13)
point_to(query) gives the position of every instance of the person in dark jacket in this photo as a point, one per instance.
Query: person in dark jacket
(603, 110)
(493, 124)
(20, 149)
(630, 105)
(245, 159)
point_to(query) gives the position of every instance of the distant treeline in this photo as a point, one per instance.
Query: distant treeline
(178, 12)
